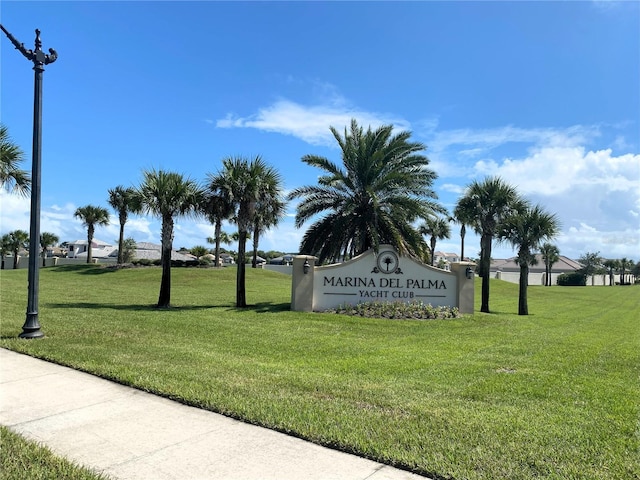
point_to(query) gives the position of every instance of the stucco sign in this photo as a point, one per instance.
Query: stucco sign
(370, 277)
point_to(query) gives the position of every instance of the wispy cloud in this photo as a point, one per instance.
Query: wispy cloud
(309, 123)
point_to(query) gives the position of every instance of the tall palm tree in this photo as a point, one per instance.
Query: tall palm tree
(268, 214)
(383, 186)
(246, 183)
(525, 230)
(12, 178)
(47, 239)
(167, 195)
(122, 200)
(483, 206)
(217, 207)
(92, 216)
(436, 228)
(550, 255)
(18, 239)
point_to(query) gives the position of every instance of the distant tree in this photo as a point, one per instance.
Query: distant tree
(635, 271)
(526, 230)
(47, 240)
(198, 251)
(217, 207)
(268, 214)
(484, 205)
(18, 239)
(92, 216)
(5, 247)
(167, 195)
(611, 265)
(550, 255)
(122, 200)
(382, 187)
(591, 264)
(625, 265)
(436, 228)
(128, 250)
(12, 178)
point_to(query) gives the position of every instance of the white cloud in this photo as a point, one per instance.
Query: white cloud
(309, 123)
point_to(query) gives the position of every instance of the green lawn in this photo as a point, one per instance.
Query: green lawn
(555, 394)
(25, 460)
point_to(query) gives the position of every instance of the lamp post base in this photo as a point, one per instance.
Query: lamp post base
(31, 328)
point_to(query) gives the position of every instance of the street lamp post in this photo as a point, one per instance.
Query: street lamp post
(31, 327)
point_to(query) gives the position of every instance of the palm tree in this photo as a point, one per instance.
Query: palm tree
(611, 265)
(121, 200)
(167, 195)
(483, 206)
(5, 247)
(625, 265)
(246, 184)
(550, 255)
(217, 207)
(382, 188)
(268, 214)
(47, 239)
(18, 239)
(437, 228)
(92, 216)
(12, 178)
(525, 230)
(221, 238)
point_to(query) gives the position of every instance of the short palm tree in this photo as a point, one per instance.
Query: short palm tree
(18, 239)
(91, 217)
(550, 255)
(483, 206)
(246, 184)
(167, 195)
(625, 265)
(216, 207)
(47, 239)
(611, 265)
(122, 200)
(268, 214)
(12, 178)
(526, 230)
(382, 187)
(436, 228)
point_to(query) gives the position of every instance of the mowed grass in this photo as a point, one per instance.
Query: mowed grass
(555, 394)
(22, 459)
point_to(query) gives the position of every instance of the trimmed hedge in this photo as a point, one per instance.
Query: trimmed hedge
(575, 279)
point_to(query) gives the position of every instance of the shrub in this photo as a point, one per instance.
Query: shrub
(145, 262)
(575, 279)
(398, 310)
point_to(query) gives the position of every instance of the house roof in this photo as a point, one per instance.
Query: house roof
(563, 264)
(94, 243)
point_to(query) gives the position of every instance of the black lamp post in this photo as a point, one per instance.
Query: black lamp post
(31, 327)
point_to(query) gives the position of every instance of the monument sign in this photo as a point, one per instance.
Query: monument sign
(382, 277)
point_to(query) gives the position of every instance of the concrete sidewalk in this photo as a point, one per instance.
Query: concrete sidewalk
(129, 434)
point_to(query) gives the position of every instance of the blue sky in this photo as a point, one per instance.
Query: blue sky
(544, 94)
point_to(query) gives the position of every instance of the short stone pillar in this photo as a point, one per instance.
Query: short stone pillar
(302, 283)
(465, 294)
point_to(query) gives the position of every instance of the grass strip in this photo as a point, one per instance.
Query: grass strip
(553, 394)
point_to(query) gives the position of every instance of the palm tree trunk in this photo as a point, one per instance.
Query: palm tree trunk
(121, 245)
(254, 260)
(523, 308)
(217, 234)
(433, 251)
(90, 231)
(485, 266)
(463, 231)
(241, 298)
(164, 298)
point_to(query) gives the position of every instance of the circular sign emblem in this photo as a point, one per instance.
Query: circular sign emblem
(387, 262)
